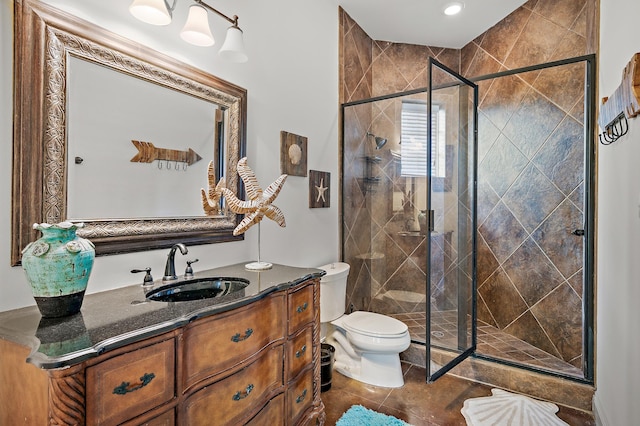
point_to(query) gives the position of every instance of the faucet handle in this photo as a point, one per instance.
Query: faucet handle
(188, 273)
(148, 279)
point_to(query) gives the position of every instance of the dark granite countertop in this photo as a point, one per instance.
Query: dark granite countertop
(115, 318)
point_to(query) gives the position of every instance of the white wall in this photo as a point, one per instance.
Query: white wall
(618, 295)
(292, 83)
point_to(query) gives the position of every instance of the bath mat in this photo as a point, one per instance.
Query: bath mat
(357, 415)
(506, 408)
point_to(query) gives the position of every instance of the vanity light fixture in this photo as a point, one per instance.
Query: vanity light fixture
(154, 12)
(196, 30)
(453, 8)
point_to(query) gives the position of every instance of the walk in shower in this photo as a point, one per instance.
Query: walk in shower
(408, 207)
(442, 230)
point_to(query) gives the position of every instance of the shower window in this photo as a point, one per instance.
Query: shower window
(413, 138)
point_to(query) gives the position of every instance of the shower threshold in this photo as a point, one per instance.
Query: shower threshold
(492, 342)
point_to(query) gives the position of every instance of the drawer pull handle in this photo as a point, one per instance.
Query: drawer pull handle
(238, 338)
(127, 387)
(242, 395)
(302, 396)
(302, 308)
(301, 352)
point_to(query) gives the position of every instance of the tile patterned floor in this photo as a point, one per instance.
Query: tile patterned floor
(491, 342)
(419, 403)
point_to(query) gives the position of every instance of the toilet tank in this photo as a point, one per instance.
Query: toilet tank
(333, 291)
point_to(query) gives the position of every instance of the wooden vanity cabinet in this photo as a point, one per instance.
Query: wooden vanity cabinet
(258, 364)
(237, 397)
(218, 343)
(127, 385)
(303, 330)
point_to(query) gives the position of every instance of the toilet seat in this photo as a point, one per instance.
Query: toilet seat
(373, 325)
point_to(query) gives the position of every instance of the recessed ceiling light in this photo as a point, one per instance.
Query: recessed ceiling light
(453, 8)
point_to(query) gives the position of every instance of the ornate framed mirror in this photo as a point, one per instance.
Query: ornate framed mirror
(47, 42)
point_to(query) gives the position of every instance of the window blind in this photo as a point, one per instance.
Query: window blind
(413, 139)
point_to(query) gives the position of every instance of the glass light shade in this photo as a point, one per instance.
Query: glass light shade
(196, 30)
(152, 12)
(233, 47)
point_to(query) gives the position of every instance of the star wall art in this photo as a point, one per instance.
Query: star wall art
(319, 194)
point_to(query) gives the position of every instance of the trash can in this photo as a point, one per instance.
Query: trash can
(326, 366)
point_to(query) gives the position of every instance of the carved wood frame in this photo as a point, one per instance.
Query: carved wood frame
(44, 39)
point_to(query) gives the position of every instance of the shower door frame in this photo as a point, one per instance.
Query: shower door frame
(588, 301)
(589, 216)
(472, 154)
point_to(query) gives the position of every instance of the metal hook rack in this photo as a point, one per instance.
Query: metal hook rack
(614, 130)
(623, 104)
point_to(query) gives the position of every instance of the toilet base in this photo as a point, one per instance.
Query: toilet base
(376, 369)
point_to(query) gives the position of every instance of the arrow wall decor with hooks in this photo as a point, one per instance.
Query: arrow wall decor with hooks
(148, 153)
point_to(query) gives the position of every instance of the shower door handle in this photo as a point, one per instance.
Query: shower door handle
(432, 220)
(578, 232)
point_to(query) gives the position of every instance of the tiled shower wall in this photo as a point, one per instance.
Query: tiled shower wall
(530, 176)
(380, 257)
(529, 276)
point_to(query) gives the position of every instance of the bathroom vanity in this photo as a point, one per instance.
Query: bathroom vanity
(248, 357)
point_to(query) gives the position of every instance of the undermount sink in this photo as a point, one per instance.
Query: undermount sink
(196, 289)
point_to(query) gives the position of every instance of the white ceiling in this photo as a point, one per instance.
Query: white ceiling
(423, 22)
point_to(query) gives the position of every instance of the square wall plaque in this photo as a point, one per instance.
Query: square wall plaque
(293, 154)
(319, 195)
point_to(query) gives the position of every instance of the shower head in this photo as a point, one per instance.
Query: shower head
(379, 141)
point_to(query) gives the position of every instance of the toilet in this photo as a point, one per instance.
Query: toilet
(367, 344)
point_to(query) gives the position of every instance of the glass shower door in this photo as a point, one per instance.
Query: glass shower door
(451, 218)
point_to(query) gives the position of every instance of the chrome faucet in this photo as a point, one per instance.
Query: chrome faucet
(170, 268)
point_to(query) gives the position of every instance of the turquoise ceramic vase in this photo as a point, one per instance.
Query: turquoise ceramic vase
(58, 266)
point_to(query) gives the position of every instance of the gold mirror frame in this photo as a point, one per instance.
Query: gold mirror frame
(44, 37)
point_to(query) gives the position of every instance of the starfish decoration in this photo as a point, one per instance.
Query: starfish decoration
(211, 197)
(259, 203)
(321, 190)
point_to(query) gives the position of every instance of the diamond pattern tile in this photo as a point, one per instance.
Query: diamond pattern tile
(534, 120)
(532, 283)
(560, 315)
(555, 237)
(501, 291)
(532, 198)
(502, 165)
(562, 156)
(502, 232)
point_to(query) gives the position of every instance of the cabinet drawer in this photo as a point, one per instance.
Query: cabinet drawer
(299, 396)
(299, 352)
(301, 308)
(272, 414)
(212, 346)
(230, 400)
(164, 419)
(127, 385)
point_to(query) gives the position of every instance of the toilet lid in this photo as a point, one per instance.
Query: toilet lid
(372, 324)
